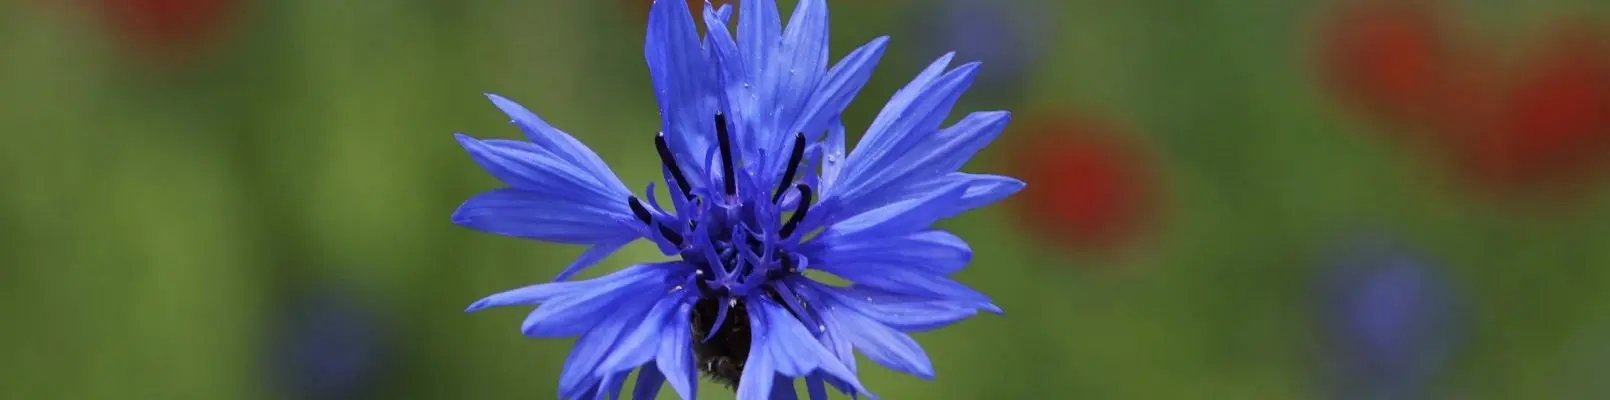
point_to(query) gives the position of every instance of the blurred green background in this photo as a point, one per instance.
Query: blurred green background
(164, 211)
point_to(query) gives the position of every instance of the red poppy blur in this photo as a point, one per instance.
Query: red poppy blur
(1090, 187)
(1387, 61)
(1551, 128)
(168, 31)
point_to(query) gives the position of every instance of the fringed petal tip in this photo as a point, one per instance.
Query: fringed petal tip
(478, 305)
(993, 309)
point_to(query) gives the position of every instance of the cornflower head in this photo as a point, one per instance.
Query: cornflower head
(1392, 318)
(762, 192)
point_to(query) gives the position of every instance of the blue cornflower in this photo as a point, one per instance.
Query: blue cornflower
(762, 192)
(1391, 318)
(332, 346)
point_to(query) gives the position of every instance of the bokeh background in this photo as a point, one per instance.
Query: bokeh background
(1251, 199)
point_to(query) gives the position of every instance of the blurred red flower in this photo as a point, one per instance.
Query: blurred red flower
(1090, 186)
(1388, 61)
(1549, 129)
(168, 31)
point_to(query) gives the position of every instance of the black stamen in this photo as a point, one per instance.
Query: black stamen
(670, 163)
(793, 165)
(799, 213)
(675, 238)
(648, 219)
(725, 138)
(638, 210)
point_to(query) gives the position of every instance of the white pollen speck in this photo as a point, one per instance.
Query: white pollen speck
(733, 302)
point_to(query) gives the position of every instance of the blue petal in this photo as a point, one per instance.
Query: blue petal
(838, 88)
(957, 144)
(557, 142)
(592, 393)
(528, 296)
(732, 77)
(879, 342)
(935, 250)
(525, 166)
(576, 311)
(675, 356)
(782, 388)
(759, 29)
(898, 218)
(902, 125)
(982, 190)
(828, 100)
(833, 158)
(907, 279)
(591, 257)
(723, 12)
(531, 215)
(785, 346)
(581, 367)
(837, 341)
(933, 156)
(799, 63)
(544, 292)
(901, 103)
(649, 380)
(903, 312)
(610, 386)
(814, 386)
(683, 83)
(641, 343)
(756, 382)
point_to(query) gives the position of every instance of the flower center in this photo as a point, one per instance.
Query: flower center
(738, 243)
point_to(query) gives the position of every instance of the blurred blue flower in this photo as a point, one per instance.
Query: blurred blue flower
(754, 160)
(1393, 321)
(1009, 35)
(330, 347)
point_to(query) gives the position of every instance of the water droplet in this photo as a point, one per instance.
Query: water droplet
(699, 272)
(821, 328)
(678, 288)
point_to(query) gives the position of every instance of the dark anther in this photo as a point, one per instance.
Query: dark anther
(648, 219)
(799, 213)
(640, 211)
(793, 166)
(784, 269)
(670, 163)
(675, 238)
(725, 138)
